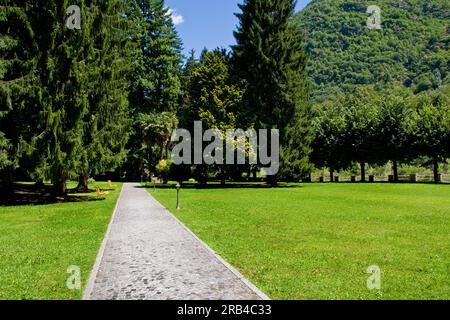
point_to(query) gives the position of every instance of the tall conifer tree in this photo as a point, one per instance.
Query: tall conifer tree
(14, 26)
(156, 85)
(63, 104)
(74, 119)
(18, 57)
(270, 58)
(107, 122)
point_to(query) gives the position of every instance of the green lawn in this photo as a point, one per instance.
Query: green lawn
(38, 243)
(316, 241)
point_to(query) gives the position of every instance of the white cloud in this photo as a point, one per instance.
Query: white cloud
(176, 18)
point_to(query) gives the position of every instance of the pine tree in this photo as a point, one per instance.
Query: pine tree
(161, 60)
(18, 94)
(270, 58)
(156, 85)
(65, 90)
(295, 152)
(62, 69)
(184, 112)
(106, 124)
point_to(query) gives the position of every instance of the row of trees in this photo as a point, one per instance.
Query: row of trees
(81, 102)
(261, 84)
(411, 49)
(225, 90)
(63, 93)
(76, 103)
(372, 128)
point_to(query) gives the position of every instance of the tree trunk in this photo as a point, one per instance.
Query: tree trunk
(222, 175)
(272, 180)
(395, 170)
(59, 185)
(6, 186)
(331, 175)
(363, 172)
(39, 184)
(83, 183)
(436, 170)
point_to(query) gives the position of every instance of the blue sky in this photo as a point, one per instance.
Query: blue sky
(207, 23)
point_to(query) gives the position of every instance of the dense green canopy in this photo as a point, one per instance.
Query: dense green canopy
(104, 92)
(411, 49)
(269, 55)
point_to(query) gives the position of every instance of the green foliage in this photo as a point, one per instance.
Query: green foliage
(156, 85)
(54, 103)
(394, 136)
(163, 169)
(362, 114)
(328, 144)
(214, 94)
(157, 129)
(155, 80)
(411, 49)
(67, 107)
(295, 153)
(65, 90)
(348, 130)
(370, 128)
(5, 146)
(270, 57)
(18, 59)
(106, 124)
(430, 125)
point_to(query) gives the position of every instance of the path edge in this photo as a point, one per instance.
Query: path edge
(247, 282)
(98, 260)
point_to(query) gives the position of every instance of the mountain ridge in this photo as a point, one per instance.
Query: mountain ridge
(410, 50)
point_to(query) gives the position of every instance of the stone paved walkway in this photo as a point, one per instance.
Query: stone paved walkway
(150, 255)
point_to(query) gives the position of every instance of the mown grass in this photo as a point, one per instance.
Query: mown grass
(39, 242)
(316, 241)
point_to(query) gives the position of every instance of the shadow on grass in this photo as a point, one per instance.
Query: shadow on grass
(216, 186)
(282, 185)
(31, 194)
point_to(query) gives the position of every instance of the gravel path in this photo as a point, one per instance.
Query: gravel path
(148, 254)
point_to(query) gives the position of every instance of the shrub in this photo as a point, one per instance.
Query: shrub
(163, 169)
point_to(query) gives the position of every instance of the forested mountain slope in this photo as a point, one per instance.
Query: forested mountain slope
(411, 49)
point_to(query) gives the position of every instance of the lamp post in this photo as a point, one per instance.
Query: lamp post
(178, 196)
